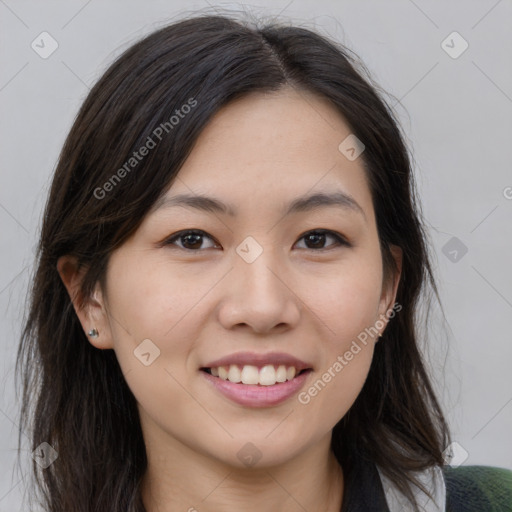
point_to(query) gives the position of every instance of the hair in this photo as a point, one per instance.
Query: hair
(75, 396)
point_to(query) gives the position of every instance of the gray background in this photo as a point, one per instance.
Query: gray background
(457, 113)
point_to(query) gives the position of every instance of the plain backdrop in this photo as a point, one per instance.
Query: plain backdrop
(455, 107)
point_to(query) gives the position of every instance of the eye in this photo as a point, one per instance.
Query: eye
(318, 237)
(192, 239)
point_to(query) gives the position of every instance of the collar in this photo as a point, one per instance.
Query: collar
(432, 479)
(367, 489)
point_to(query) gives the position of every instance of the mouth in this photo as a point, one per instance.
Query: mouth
(252, 375)
(255, 379)
(257, 385)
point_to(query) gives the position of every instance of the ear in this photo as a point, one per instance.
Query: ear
(91, 311)
(389, 288)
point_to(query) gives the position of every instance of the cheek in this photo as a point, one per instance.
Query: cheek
(335, 387)
(149, 298)
(347, 300)
(347, 305)
(151, 313)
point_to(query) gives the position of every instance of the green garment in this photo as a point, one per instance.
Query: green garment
(478, 489)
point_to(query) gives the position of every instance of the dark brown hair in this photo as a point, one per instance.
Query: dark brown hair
(74, 396)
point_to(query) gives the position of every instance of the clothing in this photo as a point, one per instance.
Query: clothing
(480, 487)
(462, 489)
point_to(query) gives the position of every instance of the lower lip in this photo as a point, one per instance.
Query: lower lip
(257, 396)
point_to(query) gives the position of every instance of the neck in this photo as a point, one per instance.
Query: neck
(180, 479)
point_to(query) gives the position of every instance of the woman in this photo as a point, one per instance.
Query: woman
(229, 270)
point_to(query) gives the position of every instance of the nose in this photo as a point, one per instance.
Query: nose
(258, 296)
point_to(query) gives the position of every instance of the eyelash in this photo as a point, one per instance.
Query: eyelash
(340, 240)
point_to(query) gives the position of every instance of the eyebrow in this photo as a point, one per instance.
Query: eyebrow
(300, 204)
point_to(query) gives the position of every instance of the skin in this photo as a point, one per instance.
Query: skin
(197, 305)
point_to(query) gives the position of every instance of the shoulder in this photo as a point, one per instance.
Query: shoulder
(478, 488)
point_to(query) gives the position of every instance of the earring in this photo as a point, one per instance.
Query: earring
(93, 333)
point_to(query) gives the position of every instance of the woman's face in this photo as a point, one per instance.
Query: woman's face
(256, 288)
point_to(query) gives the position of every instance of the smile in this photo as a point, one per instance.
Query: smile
(251, 386)
(267, 375)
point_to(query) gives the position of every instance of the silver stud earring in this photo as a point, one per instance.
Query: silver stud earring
(93, 333)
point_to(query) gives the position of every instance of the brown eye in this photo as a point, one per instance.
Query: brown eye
(316, 239)
(191, 240)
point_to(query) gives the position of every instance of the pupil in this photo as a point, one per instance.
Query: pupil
(318, 238)
(186, 239)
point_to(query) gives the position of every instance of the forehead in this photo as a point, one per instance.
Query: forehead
(267, 148)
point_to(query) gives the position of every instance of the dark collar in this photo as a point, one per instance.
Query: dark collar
(363, 491)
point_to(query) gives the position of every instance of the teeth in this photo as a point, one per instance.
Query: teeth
(281, 373)
(290, 373)
(234, 373)
(250, 375)
(268, 375)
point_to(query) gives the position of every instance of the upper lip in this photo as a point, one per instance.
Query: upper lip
(255, 359)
